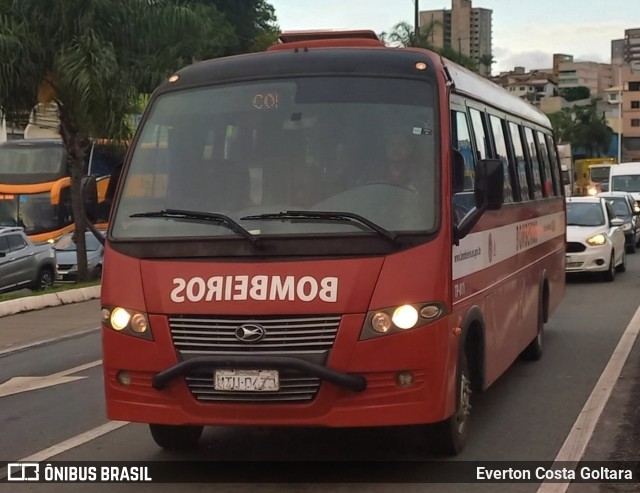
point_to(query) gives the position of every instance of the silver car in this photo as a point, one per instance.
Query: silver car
(67, 257)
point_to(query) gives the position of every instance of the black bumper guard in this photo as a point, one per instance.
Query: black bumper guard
(357, 383)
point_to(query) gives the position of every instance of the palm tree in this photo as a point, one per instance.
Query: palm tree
(403, 34)
(487, 61)
(94, 57)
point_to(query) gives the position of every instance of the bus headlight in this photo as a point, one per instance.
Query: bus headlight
(405, 317)
(126, 321)
(597, 240)
(401, 318)
(592, 191)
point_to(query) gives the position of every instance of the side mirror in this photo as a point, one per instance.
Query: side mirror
(90, 205)
(489, 189)
(90, 197)
(616, 221)
(488, 195)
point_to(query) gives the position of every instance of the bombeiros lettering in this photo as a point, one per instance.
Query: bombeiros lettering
(255, 288)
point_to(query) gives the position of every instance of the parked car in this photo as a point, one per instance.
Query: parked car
(625, 207)
(595, 240)
(23, 264)
(67, 256)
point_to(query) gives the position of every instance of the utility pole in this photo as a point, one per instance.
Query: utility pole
(416, 20)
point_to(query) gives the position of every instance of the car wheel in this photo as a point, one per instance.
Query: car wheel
(44, 279)
(610, 274)
(623, 265)
(450, 435)
(97, 272)
(172, 437)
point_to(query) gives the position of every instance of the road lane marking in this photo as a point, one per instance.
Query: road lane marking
(13, 349)
(17, 385)
(576, 443)
(75, 441)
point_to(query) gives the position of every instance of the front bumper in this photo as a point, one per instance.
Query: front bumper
(593, 259)
(357, 383)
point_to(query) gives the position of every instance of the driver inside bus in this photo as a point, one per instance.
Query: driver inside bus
(404, 166)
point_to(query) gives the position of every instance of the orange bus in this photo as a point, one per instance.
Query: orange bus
(278, 270)
(35, 184)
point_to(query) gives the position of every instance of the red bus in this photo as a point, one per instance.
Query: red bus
(330, 233)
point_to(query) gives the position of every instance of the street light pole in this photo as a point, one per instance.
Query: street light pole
(620, 114)
(416, 19)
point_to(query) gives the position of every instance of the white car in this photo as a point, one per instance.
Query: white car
(595, 240)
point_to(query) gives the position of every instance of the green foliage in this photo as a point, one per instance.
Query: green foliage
(583, 127)
(97, 56)
(575, 93)
(403, 34)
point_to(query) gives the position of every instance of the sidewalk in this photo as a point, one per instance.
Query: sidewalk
(24, 322)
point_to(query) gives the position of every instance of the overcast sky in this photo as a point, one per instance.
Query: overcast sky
(525, 32)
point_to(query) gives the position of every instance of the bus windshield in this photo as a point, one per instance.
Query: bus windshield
(27, 162)
(364, 147)
(33, 212)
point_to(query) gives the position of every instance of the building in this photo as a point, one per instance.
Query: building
(598, 77)
(464, 28)
(533, 86)
(630, 114)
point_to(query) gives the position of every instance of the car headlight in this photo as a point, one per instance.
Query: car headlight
(400, 319)
(597, 240)
(626, 227)
(592, 191)
(126, 321)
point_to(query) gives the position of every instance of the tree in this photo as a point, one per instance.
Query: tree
(487, 61)
(575, 93)
(252, 24)
(403, 34)
(96, 56)
(583, 127)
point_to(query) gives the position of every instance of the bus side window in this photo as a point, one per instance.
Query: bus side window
(521, 163)
(462, 143)
(538, 177)
(501, 153)
(483, 147)
(558, 182)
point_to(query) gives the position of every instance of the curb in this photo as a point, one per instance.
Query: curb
(29, 303)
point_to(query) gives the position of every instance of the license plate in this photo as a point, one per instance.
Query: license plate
(246, 380)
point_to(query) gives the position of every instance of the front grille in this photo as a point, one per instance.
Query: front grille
(574, 265)
(575, 247)
(65, 266)
(306, 337)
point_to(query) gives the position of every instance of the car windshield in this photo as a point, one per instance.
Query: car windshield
(66, 243)
(357, 147)
(625, 183)
(585, 214)
(600, 174)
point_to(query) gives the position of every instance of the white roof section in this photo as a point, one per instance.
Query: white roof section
(473, 85)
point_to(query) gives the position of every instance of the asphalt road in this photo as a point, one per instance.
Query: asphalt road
(525, 416)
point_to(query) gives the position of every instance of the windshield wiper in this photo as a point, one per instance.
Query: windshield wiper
(326, 216)
(201, 216)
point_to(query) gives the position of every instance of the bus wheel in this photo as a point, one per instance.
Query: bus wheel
(44, 280)
(173, 437)
(533, 352)
(451, 434)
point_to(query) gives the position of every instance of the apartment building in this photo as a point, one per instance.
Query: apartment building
(464, 28)
(533, 86)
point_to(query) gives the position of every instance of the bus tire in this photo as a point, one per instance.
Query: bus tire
(533, 352)
(450, 435)
(173, 437)
(44, 279)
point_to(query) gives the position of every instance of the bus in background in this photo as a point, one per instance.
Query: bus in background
(35, 184)
(592, 175)
(330, 233)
